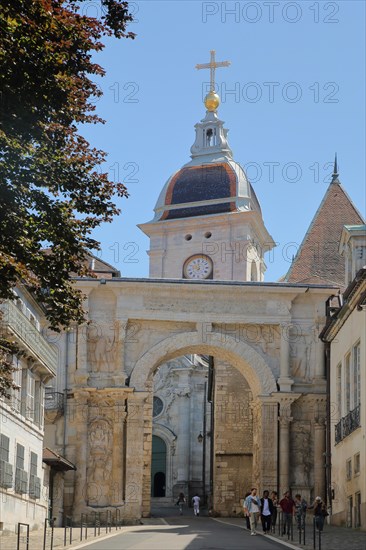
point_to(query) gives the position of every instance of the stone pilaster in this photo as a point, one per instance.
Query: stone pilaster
(183, 393)
(268, 442)
(81, 347)
(138, 471)
(285, 419)
(285, 381)
(318, 403)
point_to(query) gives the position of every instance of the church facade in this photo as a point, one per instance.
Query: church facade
(138, 395)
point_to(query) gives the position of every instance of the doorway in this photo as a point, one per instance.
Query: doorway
(158, 467)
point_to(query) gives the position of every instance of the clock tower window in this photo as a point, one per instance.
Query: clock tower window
(211, 137)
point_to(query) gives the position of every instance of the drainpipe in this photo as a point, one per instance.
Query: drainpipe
(66, 379)
(211, 398)
(278, 451)
(328, 441)
(204, 446)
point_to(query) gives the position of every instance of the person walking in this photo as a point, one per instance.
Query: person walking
(246, 513)
(196, 504)
(274, 497)
(266, 512)
(180, 502)
(252, 506)
(300, 512)
(287, 507)
(320, 513)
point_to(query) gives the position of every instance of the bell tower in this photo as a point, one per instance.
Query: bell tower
(208, 222)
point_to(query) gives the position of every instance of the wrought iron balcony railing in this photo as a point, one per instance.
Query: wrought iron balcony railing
(29, 336)
(347, 424)
(54, 401)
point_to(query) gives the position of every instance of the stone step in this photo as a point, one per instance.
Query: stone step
(162, 502)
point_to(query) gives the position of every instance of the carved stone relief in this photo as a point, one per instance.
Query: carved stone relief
(100, 462)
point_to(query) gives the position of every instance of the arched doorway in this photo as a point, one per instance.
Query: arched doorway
(158, 467)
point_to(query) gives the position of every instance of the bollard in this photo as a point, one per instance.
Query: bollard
(314, 534)
(52, 522)
(44, 534)
(292, 528)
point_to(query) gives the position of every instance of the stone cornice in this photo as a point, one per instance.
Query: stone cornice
(283, 288)
(355, 296)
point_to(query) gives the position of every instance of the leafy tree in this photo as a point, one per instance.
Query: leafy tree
(52, 191)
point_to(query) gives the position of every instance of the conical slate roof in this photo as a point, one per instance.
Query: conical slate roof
(318, 259)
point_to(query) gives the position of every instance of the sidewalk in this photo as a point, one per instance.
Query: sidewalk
(36, 538)
(332, 538)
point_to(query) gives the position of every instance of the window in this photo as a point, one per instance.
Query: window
(356, 463)
(158, 406)
(339, 390)
(4, 447)
(33, 464)
(6, 469)
(347, 397)
(28, 391)
(349, 469)
(21, 477)
(356, 375)
(20, 457)
(17, 393)
(39, 403)
(34, 481)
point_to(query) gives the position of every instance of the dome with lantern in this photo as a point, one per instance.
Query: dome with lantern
(212, 182)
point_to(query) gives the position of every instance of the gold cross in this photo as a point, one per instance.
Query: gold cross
(212, 66)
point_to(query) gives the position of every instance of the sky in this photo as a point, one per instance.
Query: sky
(293, 95)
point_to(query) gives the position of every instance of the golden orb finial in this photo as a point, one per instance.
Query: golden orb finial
(212, 101)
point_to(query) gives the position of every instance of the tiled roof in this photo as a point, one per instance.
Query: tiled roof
(198, 184)
(318, 259)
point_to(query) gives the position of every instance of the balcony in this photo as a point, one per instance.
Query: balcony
(54, 406)
(29, 337)
(347, 424)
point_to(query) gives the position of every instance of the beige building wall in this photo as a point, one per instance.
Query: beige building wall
(24, 479)
(348, 477)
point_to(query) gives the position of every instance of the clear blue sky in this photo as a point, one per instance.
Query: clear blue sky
(298, 71)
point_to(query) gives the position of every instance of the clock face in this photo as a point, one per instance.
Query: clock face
(198, 267)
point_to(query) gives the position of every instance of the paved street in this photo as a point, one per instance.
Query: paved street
(186, 532)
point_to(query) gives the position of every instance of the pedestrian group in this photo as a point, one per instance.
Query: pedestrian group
(266, 509)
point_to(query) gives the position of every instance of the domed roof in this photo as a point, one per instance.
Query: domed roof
(198, 189)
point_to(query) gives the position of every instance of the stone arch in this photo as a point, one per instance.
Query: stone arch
(238, 353)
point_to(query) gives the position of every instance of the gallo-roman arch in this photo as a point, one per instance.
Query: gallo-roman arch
(269, 388)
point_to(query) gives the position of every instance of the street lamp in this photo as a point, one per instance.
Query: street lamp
(200, 438)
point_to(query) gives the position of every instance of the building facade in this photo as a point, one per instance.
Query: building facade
(345, 336)
(24, 478)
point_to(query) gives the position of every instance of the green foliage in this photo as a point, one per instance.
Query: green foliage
(52, 191)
